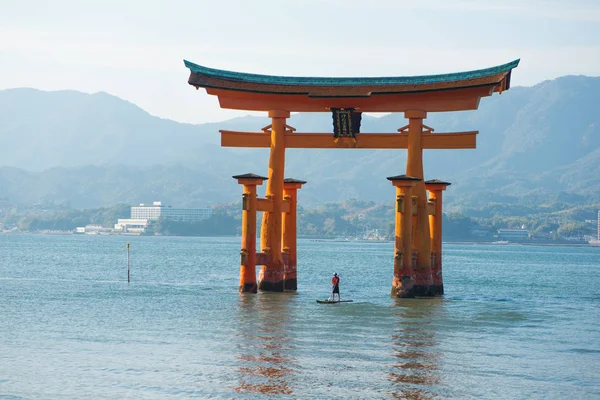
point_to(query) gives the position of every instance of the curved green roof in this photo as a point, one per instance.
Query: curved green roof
(363, 81)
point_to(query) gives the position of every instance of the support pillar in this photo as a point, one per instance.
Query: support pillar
(271, 273)
(414, 168)
(404, 274)
(248, 251)
(289, 233)
(435, 188)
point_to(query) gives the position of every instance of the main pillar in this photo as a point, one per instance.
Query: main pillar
(414, 168)
(271, 274)
(248, 252)
(435, 188)
(404, 275)
(289, 232)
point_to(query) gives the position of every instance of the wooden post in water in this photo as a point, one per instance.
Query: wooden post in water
(128, 264)
(435, 188)
(403, 281)
(288, 232)
(414, 168)
(271, 275)
(248, 252)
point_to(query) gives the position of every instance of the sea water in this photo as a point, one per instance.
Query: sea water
(517, 322)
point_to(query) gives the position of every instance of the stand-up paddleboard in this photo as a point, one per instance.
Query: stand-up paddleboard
(333, 301)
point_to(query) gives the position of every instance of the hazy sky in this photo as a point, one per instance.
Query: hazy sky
(135, 49)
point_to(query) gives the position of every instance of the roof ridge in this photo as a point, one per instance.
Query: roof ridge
(346, 81)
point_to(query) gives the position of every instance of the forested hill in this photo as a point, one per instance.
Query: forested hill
(97, 149)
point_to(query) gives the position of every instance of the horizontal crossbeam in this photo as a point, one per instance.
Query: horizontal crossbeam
(263, 258)
(430, 206)
(450, 140)
(267, 205)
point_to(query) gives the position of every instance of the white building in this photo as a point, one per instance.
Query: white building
(131, 225)
(94, 230)
(157, 210)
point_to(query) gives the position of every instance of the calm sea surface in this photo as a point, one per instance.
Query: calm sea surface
(517, 322)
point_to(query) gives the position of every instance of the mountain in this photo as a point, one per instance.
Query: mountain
(97, 149)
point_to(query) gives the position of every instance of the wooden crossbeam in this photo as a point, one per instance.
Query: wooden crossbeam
(263, 258)
(413, 207)
(267, 205)
(449, 140)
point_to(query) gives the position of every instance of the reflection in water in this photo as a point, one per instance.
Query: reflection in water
(415, 374)
(266, 367)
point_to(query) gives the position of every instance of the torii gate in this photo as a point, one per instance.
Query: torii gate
(418, 237)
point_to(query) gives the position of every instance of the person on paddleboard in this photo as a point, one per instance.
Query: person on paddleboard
(335, 283)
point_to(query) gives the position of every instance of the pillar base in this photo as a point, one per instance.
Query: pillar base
(437, 290)
(290, 284)
(248, 288)
(403, 288)
(423, 282)
(423, 290)
(290, 278)
(437, 287)
(266, 286)
(271, 279)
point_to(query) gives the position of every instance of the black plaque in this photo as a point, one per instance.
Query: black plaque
(346, 122)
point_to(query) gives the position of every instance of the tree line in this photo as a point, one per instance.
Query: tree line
(351, 218)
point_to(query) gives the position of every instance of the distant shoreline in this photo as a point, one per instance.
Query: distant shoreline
(524, 243)
(318, 239)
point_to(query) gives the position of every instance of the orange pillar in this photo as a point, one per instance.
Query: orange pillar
(290, 191)
(271, 275)
(414, 168)
(404, 275)
(435, 188)
(248, 252)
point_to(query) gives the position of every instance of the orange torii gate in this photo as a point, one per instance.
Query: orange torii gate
(418, 237)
